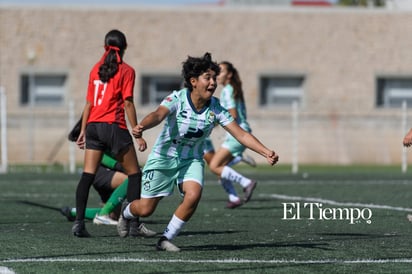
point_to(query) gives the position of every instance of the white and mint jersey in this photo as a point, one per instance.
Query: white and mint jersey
(185, 128)
(228, 101)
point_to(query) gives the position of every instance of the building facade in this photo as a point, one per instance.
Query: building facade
(347, 72)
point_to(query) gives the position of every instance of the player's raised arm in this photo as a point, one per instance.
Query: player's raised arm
(251, 142)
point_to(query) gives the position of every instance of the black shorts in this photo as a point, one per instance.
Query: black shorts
(107, 137)
(103, 182)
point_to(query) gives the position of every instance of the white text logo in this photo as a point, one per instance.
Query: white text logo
(316, 211)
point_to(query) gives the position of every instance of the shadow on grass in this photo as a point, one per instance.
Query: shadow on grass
(353, 236)
(234, 247)
(321, 244)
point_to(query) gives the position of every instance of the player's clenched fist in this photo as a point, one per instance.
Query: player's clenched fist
(272, 158)
(137, 131)
(407, 140)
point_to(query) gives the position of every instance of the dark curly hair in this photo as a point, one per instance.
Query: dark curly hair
(196, 66)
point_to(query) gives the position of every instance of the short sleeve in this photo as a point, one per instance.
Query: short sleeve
(128, 83)
(171, 101)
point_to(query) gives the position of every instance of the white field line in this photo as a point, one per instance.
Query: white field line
(331, 202)
(222, 261)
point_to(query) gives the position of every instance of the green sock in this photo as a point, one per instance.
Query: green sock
(108, 161)
(89, 214)
(115, 199)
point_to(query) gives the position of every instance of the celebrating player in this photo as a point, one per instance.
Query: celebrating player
(177, 156)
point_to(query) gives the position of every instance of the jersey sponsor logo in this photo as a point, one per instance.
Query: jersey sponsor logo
(184, 114)
(194, 133)
(191, 133)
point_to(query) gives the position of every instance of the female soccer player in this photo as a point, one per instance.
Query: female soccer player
(111, 183)
(109, 96)
(232, 99)
(209, 153)
(177, 156)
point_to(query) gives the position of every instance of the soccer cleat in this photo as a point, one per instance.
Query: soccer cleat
(123, 225)
(79, 229)
(139, 229)
(66, 211)
(248, 191)
(103, 220)
(232, 205)
(248, 160)
(165, 245)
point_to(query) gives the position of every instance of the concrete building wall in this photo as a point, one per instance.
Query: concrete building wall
(340, 52)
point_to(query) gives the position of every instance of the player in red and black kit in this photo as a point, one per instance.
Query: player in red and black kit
(104, 129)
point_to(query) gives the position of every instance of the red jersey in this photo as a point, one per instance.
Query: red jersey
(107, 99)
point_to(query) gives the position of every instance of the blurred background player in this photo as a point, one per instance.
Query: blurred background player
(232, 99)
(209, 151)
(407, 142)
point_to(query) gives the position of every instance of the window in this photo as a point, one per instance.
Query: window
(156, 87)
(392, 91)
(281, 90)
(41, 89)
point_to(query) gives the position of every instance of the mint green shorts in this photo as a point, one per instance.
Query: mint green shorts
(161, 175)
(233, 146)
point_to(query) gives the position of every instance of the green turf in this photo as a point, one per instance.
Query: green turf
(254, 238)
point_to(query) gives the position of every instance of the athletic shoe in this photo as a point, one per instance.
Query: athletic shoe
(248, 160)
(123, 225)
(66, 211)
(409, 217)
(79, 229)
(165, 245)
(248, 191)
(103, 220)
(139, 229)
(232, 205)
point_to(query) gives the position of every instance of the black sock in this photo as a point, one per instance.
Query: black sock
(134, 187)
(82, 194)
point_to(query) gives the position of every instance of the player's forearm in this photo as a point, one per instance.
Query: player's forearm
(85, 117)
(151, 120)
(131, 113)
(251, 142)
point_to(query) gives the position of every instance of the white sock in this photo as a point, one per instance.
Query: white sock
(234, 176)
(127, 213)
(233, 198)
(173, 228)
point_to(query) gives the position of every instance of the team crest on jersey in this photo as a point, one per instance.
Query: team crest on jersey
(212, 117)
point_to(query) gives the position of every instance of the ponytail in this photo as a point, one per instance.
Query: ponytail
(115, 45)
(110, 64)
